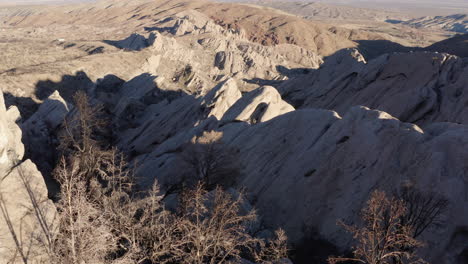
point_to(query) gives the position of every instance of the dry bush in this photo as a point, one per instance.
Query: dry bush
(80, 137)
(105, 220)
(210, 227)
(84, 232)
(209, 160)
(214, 228)
(275, 250)
(383, 237)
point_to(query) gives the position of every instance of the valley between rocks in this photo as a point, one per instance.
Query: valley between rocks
(316, 130)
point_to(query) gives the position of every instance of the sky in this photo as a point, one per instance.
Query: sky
(40, 1)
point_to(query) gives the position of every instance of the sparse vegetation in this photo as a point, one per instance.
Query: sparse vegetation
(104, 218)
(424, 209)
(384, 238)
(209, 160)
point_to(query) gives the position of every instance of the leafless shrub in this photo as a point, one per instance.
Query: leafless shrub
(275, 250)
(84, 232)
(424, 209)
(215, 230)
(383, 237)
(78, 140)
(20, 249)
(104, 219)
(209, 160)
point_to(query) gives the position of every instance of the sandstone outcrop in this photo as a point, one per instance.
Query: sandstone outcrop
(27, 215)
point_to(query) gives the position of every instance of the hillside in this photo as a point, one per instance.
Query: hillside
(455, 23)
(456, 45)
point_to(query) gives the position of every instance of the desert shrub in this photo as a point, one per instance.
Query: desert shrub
(104, 218)
(209, 160)
(84, 234)
(383, 237)
(424, 209)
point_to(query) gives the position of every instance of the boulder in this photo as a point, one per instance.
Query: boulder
(256, 106)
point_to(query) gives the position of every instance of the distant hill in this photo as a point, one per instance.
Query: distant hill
(325, 11)
(456, 23)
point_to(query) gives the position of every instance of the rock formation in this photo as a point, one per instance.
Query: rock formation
(195, 53)
(419, 87)
(306, 168)
(27, 215)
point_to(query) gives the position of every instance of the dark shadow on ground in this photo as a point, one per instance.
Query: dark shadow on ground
(288, 73)
(314, 249)
(371, 49)
(67, 86)
(25, 105)
(41, 139)
(134, 42)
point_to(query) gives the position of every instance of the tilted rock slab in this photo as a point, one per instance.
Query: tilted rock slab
(420, 87)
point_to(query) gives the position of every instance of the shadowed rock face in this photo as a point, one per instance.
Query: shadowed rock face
(420, 87)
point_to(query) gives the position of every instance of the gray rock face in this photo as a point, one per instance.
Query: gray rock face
(303, 169)
(23, 198)
(420, 87)
(308, 168)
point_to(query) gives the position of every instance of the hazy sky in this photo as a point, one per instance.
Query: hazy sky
(41, 1)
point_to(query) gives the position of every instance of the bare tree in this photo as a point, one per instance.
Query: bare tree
(275, 250)
(105, 220)
(215, 229)
(80, 137)
(383, 237)
(84, 232)
(424, 209)
(208, 159)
